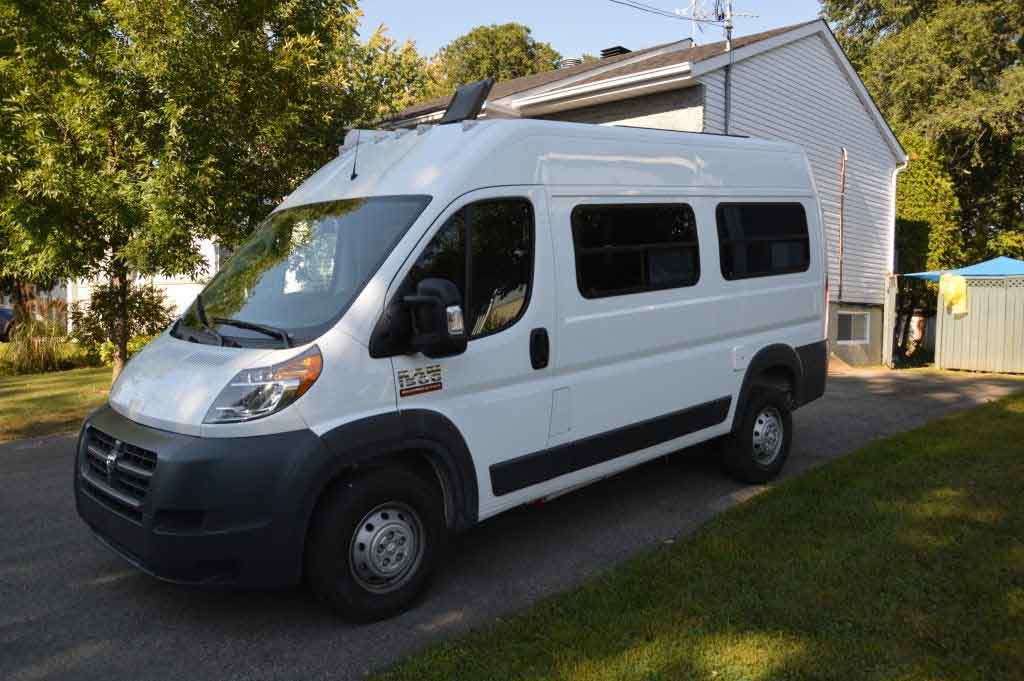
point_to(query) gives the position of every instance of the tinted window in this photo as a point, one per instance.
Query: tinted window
(501, 263)
(486, 249)
(762, 239)
(444, 257)
(632, 248)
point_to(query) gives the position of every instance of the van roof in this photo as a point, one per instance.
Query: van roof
(449, 160)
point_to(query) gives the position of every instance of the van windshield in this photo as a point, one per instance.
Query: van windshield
(299, 272)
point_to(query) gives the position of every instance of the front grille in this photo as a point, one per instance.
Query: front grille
(117, 474)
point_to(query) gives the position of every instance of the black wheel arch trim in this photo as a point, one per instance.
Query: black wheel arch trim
(374, 439)
(807, 364)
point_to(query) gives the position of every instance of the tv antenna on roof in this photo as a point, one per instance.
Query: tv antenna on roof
(695, 13)
(721, 15)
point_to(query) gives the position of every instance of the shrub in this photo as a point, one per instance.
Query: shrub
(136, 343)
(35, 346)
(96, 323)
(39, 340)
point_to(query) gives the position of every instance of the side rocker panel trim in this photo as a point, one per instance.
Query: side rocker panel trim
(547, 464)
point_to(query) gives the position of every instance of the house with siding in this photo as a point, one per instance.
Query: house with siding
(793, 84)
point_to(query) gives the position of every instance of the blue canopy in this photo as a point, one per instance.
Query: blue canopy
(996, 267)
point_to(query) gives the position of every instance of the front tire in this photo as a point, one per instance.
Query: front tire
(374, 543)
(758, 447)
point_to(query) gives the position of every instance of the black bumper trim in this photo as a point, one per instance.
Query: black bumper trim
(241, 504)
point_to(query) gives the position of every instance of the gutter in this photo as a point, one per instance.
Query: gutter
(628, 86)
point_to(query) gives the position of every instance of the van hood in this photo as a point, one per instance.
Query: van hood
(171, 383)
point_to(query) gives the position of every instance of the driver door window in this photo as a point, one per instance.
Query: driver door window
(486, 250)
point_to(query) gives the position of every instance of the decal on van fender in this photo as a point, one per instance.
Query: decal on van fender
(420, 380)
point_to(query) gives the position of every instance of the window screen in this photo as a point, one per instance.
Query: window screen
(852, 327)
(486, 250)
(762, 239)
(630, 248)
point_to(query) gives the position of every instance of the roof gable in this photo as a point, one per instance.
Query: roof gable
(538, 81)
(618, 72)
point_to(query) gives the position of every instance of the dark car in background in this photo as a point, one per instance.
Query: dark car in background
(6, 321)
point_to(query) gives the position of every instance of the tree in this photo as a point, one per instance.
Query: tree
(149, 314)
(130, 131)
(949, 76)
(928, 235)
(497, 51)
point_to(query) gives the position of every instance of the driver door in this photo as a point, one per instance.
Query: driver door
(495, 247)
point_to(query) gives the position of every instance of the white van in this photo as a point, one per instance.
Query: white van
(445, 323)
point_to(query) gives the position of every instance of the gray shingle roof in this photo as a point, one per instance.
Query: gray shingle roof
(658, 58)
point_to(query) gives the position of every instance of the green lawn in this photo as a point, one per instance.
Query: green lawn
(903, 561)
(40, 404)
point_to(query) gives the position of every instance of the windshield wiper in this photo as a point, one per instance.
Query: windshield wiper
(201, 315)
(259, 328)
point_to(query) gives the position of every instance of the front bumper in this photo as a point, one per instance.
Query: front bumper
(198, 510)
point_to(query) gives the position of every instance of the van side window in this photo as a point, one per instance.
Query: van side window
(631, 248)
(762, 239)
(486, 250)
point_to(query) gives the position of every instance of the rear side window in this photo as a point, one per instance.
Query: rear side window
(486, 250)
(631, 248)
(762, 239)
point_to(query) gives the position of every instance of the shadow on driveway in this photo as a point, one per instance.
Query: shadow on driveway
(72, 610)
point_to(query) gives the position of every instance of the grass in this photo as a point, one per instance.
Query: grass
(904, 561)
(42, 404)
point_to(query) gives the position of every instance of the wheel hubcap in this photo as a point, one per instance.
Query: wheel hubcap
(386, 547)
(768, 435)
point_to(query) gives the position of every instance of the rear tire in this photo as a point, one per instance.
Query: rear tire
(374, 543)
(758, 447)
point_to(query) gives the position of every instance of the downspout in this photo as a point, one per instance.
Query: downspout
(728, 67)
(895, 175)
(842, 203)
(728, 83)
(894, 265)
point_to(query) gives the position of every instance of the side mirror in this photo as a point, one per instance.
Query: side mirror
(438, 328)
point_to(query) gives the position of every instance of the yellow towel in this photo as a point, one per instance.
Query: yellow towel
(953, 288)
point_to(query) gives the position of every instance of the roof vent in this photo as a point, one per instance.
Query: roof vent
(571, 61)
(614, 51)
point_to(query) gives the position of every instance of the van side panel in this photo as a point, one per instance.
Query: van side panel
(649, 373)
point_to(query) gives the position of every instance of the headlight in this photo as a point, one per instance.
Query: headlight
(255, 393)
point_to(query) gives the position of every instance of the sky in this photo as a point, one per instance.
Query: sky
(573, 27)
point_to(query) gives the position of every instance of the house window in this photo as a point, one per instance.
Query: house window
(762, 239)
(486, 250)
(853, 328)
(631, 248)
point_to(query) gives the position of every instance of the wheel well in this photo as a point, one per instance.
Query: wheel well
(779, 377)
(419, 462)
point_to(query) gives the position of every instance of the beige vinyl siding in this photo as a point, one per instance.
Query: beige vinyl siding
(674, 110)
(799, 93)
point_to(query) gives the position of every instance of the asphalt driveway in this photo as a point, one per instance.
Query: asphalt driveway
(69, 609)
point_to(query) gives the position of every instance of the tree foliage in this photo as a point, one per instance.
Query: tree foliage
(97, 323)
(949, 76)
(928, 235)
(130, 131)
(501, 52)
